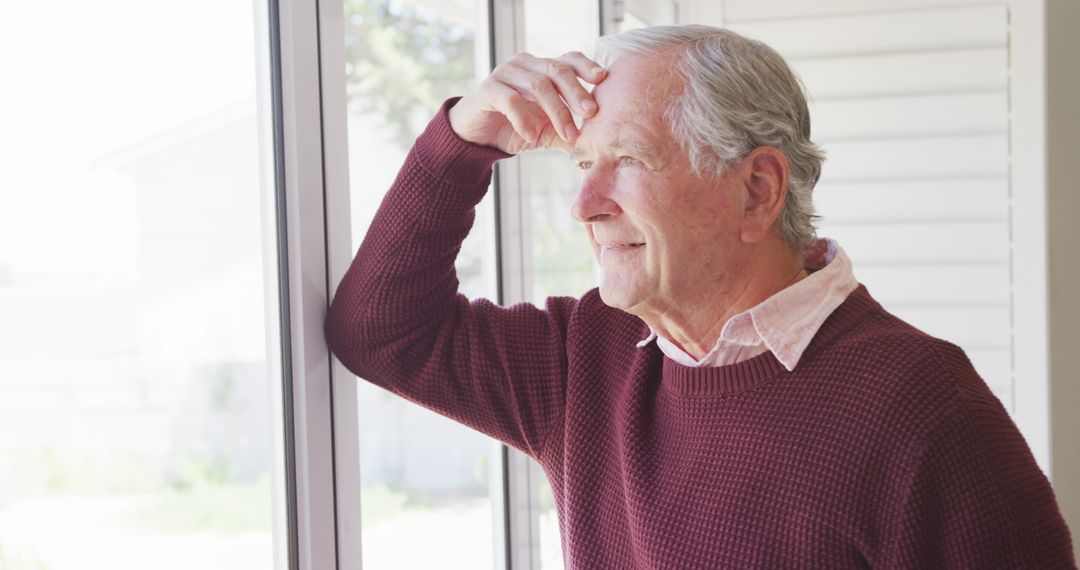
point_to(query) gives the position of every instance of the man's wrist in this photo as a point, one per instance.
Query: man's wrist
(446, 155)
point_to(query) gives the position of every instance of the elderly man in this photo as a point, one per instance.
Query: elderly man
(730, 396)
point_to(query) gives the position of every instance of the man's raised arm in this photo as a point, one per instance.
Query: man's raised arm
(397, 319)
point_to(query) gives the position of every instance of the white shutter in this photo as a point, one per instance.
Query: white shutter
(910, 101)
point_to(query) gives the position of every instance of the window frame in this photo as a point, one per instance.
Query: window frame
(301, 180)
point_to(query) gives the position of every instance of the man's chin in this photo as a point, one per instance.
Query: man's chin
(617, 298)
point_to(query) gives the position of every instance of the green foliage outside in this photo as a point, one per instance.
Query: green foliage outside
(49, 469)
(562, 259)
(402, 61)
(380, 503)
(562, 262)
(206, 496)
(201, 495)
(212, 506)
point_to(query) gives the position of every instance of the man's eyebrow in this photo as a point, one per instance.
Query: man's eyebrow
(636, 147)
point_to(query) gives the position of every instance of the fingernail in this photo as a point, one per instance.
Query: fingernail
(598, 70)
(570, 133)
(588, 105)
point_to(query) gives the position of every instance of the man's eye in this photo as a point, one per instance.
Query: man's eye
(628, 161)
(585, 164)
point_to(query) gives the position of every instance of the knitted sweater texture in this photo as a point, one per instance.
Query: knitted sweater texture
(882, 449)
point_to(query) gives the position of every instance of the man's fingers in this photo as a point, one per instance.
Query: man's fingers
(555, 86)
(540, 89)
(565, 77)
(564, 73)
(586, 68)
(524, 116)
(530, 99)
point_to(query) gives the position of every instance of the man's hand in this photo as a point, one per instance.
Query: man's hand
(526, 103)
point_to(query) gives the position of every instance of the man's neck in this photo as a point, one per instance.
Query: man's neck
(697, 325)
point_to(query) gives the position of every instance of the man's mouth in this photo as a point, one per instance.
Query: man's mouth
(620, 246)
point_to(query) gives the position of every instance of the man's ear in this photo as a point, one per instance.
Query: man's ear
(765, 181)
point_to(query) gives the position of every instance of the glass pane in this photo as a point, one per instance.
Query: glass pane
(561, 261)
(140, 419)
(425, 480)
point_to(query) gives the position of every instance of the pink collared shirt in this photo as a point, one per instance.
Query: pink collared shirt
(786, 322)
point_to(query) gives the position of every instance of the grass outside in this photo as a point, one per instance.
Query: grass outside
(203, 518)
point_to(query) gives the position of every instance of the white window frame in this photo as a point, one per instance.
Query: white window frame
(301, 183)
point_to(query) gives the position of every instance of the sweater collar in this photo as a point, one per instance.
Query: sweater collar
(728, 380)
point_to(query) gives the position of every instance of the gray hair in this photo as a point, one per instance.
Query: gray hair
(738, 94)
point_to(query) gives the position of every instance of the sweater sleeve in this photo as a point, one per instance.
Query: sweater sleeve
(975, 497)
(398, 321)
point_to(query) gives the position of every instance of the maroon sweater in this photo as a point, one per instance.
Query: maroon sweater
(882, 449)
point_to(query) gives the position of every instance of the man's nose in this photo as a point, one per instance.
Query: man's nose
(594, 201)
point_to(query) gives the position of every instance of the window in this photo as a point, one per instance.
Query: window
(424, 478)
(141, 419)
(557, 257)
(145, 418)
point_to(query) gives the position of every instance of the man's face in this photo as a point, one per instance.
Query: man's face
(660, 233)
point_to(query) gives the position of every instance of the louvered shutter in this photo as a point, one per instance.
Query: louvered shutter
(910, 101)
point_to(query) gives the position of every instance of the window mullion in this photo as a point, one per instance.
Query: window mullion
(305, 295)
(339, 252)
(519, 525)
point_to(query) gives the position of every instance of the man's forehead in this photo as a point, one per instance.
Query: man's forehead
(631, 99)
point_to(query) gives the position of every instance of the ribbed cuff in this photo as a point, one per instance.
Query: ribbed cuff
(445, 155)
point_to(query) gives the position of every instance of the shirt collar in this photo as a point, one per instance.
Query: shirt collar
(786, 322)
